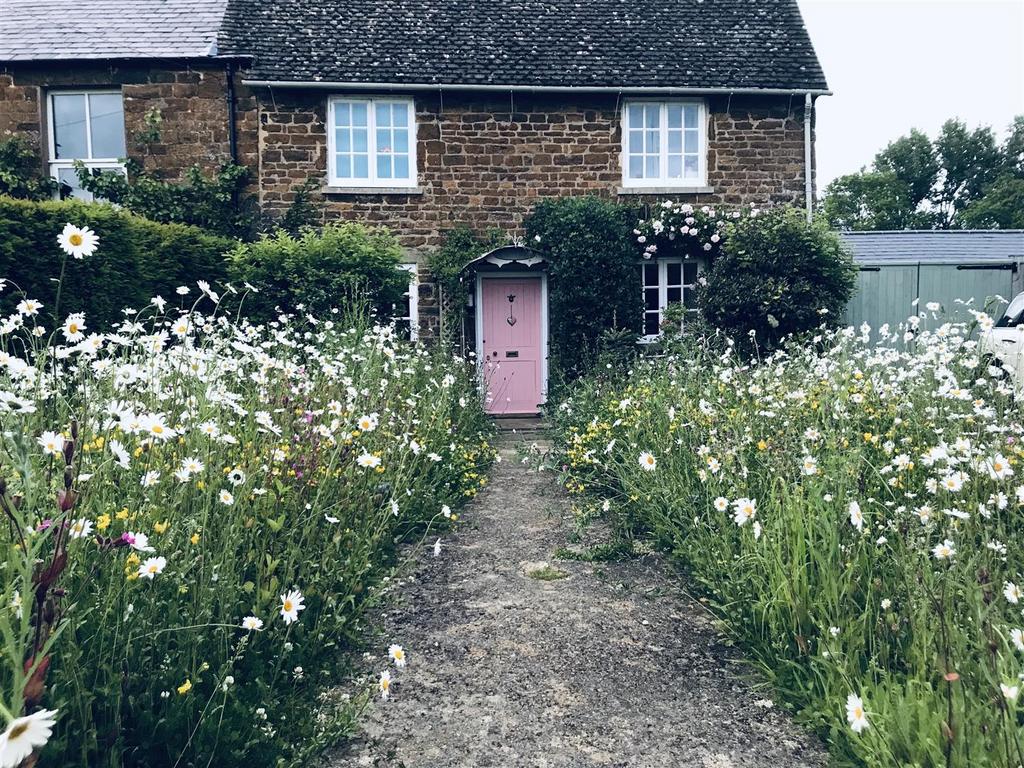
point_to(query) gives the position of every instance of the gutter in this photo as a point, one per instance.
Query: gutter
(229, 73)
(665, 90)
(808, 158)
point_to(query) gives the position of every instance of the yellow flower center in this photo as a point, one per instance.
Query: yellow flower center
(73, 327)
(287, 605)
(152, 568)
(75, 239)
(158, 430)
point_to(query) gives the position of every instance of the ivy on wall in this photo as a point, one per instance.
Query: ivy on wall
(593, 278)
(447, 264)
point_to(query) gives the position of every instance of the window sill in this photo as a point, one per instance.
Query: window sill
(691, 190)
(329, 190)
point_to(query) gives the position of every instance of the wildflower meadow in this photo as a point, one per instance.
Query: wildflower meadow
(850, 507)
(198, 513)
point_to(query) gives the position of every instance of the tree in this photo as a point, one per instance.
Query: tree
(918, 183)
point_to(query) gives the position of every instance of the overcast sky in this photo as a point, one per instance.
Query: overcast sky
(894, 65)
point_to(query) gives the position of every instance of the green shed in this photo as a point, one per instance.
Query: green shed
(957, 268)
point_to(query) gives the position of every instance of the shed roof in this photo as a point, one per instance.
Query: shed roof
(41, 30)
(695, 44)
(951, 246)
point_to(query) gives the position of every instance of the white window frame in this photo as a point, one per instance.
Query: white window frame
(663, 286)
(371, 143)
(414, 301)
(662, 181)
(100, 163)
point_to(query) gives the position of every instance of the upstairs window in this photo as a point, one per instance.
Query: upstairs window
(664, 144)
(371, 142)
(86, 126)
(665, 282)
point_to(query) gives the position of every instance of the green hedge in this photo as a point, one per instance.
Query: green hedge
(345, 264)
(136, 259)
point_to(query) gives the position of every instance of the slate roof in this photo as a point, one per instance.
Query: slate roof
(39, 30)
(935, 247)
(705, 44)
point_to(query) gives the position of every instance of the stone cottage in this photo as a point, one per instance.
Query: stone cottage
(427, 115)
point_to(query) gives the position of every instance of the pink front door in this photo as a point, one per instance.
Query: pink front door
(512, 345)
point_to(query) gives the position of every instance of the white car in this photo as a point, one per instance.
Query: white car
(1005, 340)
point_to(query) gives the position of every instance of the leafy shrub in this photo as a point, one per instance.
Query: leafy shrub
(777, 275)
(139, 258)
(852, 511)
(20, 172)
(217, 203)
(166, 483)
(343, 263)
(593, 277)
(459, 247)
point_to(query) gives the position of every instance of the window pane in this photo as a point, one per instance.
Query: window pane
(650, 274)
(69, 126)
(674, 295)
(688, 297)
(635, 116)
(636, 167)
(689, 273)
(675, 116)
(383, 166)
(674, 273)
(401, 166)
(651, 117)
(691, 142)
(675, 141)
(690, 114)
(653, 141)
(384, 141)
(360, 166)
(106, 121)
(636, 142)
(383, 115)
(691, 169)
(359, 114)
(651, 298)
(70, 186)
(399, 114)
(359, 140)
(675, 166)
(343, 140)
(400, 138)
(651, 324)
(651, 168)
(343, 166)
(342, 114)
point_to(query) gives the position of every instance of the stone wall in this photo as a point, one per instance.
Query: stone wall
(486, 160)
(190, 98)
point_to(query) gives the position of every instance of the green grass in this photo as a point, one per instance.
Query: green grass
(829, 605)
(547, 573)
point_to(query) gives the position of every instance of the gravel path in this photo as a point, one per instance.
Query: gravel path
(609, 666)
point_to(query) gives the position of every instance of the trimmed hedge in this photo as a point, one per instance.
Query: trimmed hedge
(345, 264)
(136, 259)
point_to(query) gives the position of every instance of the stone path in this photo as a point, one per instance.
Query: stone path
(609, 666)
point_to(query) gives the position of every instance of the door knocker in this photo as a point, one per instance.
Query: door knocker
(511, 320)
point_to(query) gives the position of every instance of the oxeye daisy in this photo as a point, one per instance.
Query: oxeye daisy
(1012, 592)
(78, 242)
(856, 516)
(647, 461)
(252, 623)
(74, 327)
(397, 654)
(291, 604)
(151, 567)
(855, 714)
(384, 684)
(721, 504)
(24, 735)
(368, 461)
(226, 497)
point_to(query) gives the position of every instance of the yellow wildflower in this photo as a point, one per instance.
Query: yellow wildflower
(184, 687)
